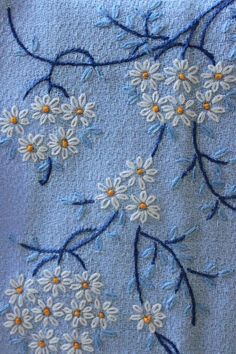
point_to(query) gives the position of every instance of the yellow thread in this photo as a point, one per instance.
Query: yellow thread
(64, 143)
(143, 206)
(156, 108)
(56, 280)
(47, 312)
(77, 313)
(18, 321)
(140, 171)
(46, 109)
(76, 345)
(41, 344)
(19, 290)
(145, 75)
(80, 111)
(13, 120)
(182, 77)
(85, 285)
(180, 110)
(219, 76)
(147, 319)
(207, 106)
(111, 192)
(101, 315)
(30, 148)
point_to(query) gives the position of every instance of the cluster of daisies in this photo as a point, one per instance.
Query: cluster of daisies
(197, 96)
(47, 110)
(37, 314)
(114, 193)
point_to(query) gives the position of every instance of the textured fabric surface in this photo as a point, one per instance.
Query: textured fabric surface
(29, 210)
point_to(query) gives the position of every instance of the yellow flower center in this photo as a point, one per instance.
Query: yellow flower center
(19, 290)
(77, 313)
(46, 109)
(18, 321)
(101, 315)
(111, 192)
(80, 111)
(30, 148)
(64, 143)
(143, 206)
(85, 285)
(41, 344)
(47, 312)
(56, 280)
(180, 110)
(13, 120)
(219, 76)
(77, 345)
(207, 106)
(156, 108)
(140, 171)
(145, 75)
(147, 319)
(182, 77)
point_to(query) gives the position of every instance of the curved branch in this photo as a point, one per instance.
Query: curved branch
(184, 274)
(169, 346)
(222, 199)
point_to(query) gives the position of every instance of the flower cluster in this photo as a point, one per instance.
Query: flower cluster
(188, 105)
(48, 111)
(35, 305)
(115, 193)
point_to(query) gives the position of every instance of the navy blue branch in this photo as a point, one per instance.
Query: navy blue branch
(166, 343)
(199, 158)
(203, 274)
(159, 139)
(58, 253)
(159, 49)
(83, 202)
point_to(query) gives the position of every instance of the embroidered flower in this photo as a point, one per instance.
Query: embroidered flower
(145, 74)
(77, 344)
(64, 144)
(179, 109)
(32, 148)
(79, 110)
(14, 121)
(44, 342)
(78, 313)
(144, 207)
(112, 193)
(46, 109)
(18, 321)
(87, 286)
(139, 170)
(105, 313)
(219, 77)
(152, 107)
(55, 282)
(181, 75)
(20, 290)
(210, 107)
(48, 312)
(148, 315)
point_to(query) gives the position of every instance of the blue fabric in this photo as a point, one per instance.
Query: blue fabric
(30, 211)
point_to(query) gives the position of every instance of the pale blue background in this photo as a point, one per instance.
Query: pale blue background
(28, 210)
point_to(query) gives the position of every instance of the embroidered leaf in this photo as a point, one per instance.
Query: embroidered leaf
(150, 342)
(171, 302)
(33, 257)
(115, 11)
(176, 182)
(168, 285)
(12, 153)
(5, 141)
(35, 44)
(108, 333)
(98, 244)
(226, 272)
(221, 153)
(122, 217)
(171, 132)
(105, 22)
(86, 74)
(148, 252)
(4, 309)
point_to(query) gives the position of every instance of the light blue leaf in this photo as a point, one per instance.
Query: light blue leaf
(86, 74)
(226, 272)
(191, 230)
(98, 244)
(115, 11)
(154, 16)
(12, 152)
(131, 44)
(150, 341)
(97, 341)
(171, 132)
(168, 285)
(176, 182)
(170, 302)
(148, 252)
(33, 257)
(131, 286)
(112, 234)
(221, 153)
(4, 309)
(105, 22)
(122, 217)
(5, 141)
(35, 44)
(94, 130)
(155, 6)
(109, 333)
(173, 233)
(222, 214)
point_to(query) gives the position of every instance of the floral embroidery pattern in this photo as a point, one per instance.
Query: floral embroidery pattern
(87, 321)
(51, 151)
(190, 105)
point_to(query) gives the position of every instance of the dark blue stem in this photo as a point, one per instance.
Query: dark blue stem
(167, 344)
(48, 172)
(136, 258)
(203, 274)
(159, 139)
(184, 274)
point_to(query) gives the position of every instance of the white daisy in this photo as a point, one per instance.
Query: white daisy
(105, 313)
(46, 109)
(20, 290)
(145, 74)
(179, 109)
(64, 143)
(219, 77)
(87, 286)
(77, 344)
(48, 312)
(139, 170)
(79, 110)
(144, 207)
(33, 148)
(148, 315)
(209, 106)
(181, 75)
(55, 282)
(78, 313)
(44, 342)
(18, 321)
(152, 107)
(13, 121)
(112, 193)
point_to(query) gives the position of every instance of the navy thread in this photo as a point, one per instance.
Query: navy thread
(58, 253)
(163, 47)
(47, 175)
